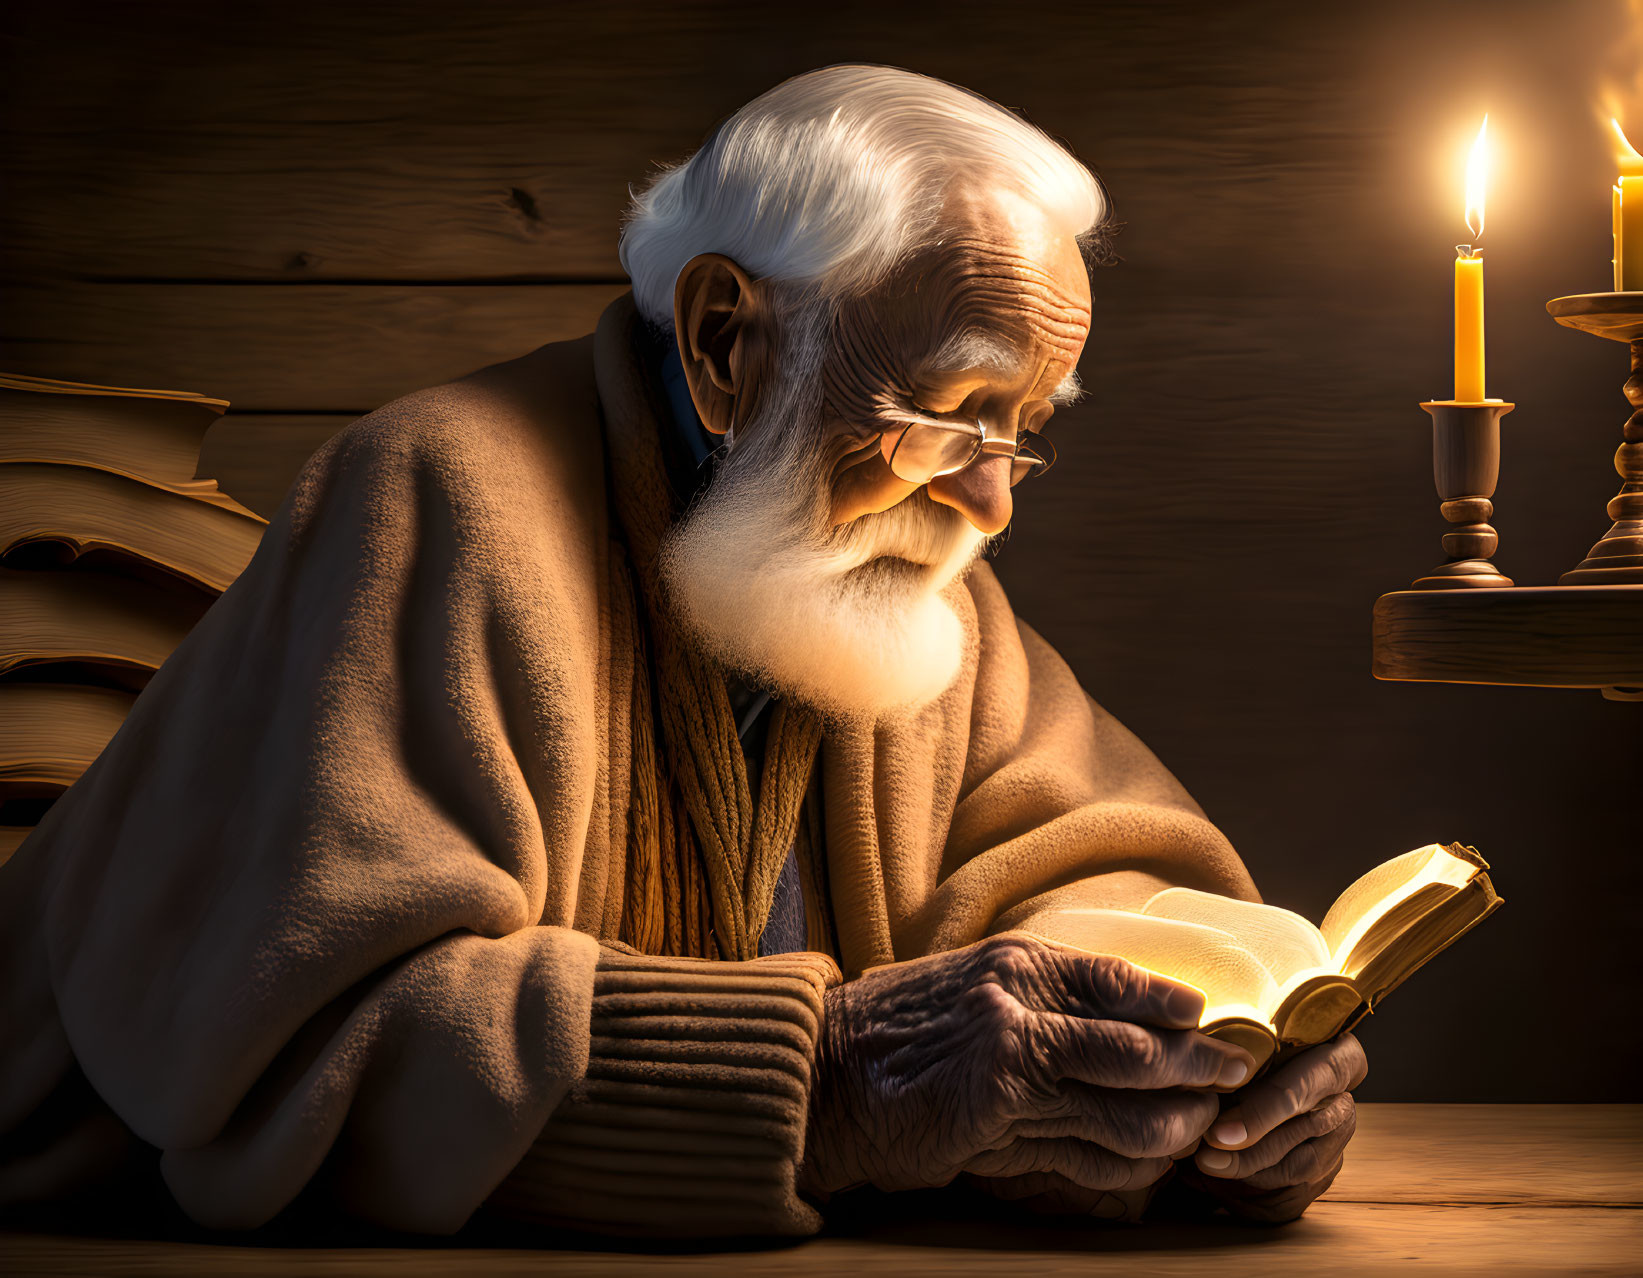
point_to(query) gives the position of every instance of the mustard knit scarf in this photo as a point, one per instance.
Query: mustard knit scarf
(703, 859)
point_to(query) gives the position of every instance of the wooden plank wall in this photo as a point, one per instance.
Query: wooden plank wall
(311, 208)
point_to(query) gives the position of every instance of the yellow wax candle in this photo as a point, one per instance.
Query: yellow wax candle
(1469, 328)
(1629, 266)
(1626, 211)
(1614, 225)
(1469, 279)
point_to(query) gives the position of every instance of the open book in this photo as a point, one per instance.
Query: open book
(1270, 978)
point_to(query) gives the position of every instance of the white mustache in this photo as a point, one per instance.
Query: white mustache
(917, 528)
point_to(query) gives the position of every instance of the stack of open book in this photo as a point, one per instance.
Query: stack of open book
(1273, 981)
(110, 552)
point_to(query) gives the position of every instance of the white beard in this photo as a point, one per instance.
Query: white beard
(848, 620)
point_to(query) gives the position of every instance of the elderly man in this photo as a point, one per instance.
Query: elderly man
(615, 795)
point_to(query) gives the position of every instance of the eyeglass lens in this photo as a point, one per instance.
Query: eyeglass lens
(924, 452)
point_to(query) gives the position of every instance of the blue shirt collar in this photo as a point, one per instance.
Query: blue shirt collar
(700, 443)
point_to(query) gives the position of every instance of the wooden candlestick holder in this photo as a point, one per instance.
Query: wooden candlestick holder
(1465, 468)
(1586, 632)
(1617, 558)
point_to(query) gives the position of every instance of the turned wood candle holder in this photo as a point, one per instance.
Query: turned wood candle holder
(1617, 558)
(1586, 632)
(1465, 468)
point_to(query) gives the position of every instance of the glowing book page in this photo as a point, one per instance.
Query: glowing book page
(1233, 980)
(1284, 943)
(1384, 888)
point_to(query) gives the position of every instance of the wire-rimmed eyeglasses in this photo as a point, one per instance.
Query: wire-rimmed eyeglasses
(927, 450)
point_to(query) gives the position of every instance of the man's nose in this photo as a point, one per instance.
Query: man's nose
(980, 492)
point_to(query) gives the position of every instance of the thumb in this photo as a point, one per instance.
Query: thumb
(1108, 987)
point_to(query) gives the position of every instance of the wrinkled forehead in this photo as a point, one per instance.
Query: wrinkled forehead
(1006, 306)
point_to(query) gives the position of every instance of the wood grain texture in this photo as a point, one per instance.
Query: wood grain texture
(1549, 636)
(331, 348)
(1250, 471)
(1433, 1190)
(1342, 1241)
(254, 457)
(514, 156)
(1616, 316)
(1524, 1155)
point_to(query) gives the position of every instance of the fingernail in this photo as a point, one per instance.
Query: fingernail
(1231, 1132)
(1214, 1160)
(1232, 1073)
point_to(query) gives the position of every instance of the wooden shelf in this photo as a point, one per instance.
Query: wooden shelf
(1533, 636)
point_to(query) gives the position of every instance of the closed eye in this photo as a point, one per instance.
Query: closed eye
(901, 412)
(897, 413)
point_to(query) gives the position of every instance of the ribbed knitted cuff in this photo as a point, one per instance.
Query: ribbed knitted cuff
(690, 1121)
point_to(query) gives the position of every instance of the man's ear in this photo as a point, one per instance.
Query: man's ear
(718, 321)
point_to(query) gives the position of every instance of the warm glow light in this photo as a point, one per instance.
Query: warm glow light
(1469, 357)
(1630, 162)
(1477, 180)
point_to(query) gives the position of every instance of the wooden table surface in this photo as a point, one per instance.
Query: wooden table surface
(1427, 1189)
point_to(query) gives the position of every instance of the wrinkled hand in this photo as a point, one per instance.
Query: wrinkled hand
(1026, 1064)
(1281, 1141)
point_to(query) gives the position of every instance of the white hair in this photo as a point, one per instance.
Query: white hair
(831, 178)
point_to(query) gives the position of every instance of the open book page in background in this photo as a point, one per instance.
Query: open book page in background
(1376, 909)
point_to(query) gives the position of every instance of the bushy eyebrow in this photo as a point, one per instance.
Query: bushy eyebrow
(1069, 391)
(971, 349)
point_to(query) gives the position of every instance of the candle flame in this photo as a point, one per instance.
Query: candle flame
(1626, 156)
(1477, 180)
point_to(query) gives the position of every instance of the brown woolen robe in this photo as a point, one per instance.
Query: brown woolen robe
(335, 913)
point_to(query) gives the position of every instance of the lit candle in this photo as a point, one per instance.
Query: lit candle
(1626, 205)
(1469, 279)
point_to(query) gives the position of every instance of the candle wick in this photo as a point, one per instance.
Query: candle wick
(1467, 251)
